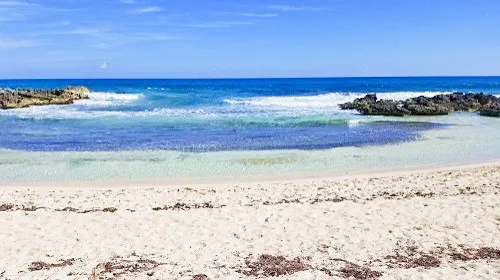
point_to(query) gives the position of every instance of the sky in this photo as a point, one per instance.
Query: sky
(248, 38)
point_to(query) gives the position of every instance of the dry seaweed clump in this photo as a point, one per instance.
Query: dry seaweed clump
(200, 277)
(272, 266)
(353, 271)
(425, 261)
(6, 207)
(117, 268)
(31, 208)
(34, 266)
(11, 207)
(487, 253)
(71, 209)
(411, 257)
(468, 254)
(184, 206)
(109, 209)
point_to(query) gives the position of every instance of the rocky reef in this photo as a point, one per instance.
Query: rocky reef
(443, 104)
(20, 98)
(491, 110)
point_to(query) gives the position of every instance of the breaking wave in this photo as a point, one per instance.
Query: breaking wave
(106, 104)
(328, 100)
(109, 99)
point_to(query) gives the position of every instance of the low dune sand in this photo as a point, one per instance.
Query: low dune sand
(419, 225)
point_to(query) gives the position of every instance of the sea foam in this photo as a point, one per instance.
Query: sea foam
(109, 99)
(81, 109)
(328, 100)
(102, 105)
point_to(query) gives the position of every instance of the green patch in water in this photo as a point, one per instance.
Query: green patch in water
(267, 161)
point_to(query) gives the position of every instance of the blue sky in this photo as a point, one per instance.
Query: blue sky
(235, 38)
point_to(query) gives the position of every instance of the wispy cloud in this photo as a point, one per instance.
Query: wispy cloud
(112, 40)
(78, 31)
(150, 37)
(61, 23)
(17, 44)
(11, 17)
(145, 10)
(15, 4)
(253, 15)
(289, 8)
(220, 24)
(25, 10)
(259, 15)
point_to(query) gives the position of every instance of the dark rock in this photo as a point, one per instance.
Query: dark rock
(491, 110)
(384, 107)
(20, 98)
(426, 106)
(368, 99)
(423, 106)
(370, 105)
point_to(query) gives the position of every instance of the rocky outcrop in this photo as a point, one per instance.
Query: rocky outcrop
(491, 110)
(371, 105)
(20, 98)
(425, 106)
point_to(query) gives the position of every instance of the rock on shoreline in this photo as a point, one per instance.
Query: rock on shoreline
(20, 98)
(487, 105)
(491, 110)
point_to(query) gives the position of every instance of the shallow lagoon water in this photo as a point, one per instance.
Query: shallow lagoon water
(470, 139)
(226, 130)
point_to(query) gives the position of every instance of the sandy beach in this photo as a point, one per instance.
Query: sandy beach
(432, 224)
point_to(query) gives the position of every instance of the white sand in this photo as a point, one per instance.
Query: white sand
(360, 219)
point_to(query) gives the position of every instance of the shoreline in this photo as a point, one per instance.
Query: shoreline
(252, 180)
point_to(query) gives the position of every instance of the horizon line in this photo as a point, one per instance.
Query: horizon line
(263, 78)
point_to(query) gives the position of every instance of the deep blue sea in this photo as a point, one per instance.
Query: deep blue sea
(220, 114)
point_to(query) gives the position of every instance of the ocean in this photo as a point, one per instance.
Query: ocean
(231, 120)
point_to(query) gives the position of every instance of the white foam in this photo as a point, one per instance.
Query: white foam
(111, 96)
(78, 110)
(59, 112)
(329, 100)
(108, 99)
(91, 109)
(263, 107)
(354, 122)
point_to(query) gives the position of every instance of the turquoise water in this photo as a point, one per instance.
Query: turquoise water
(140, 130)
(218, 115)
